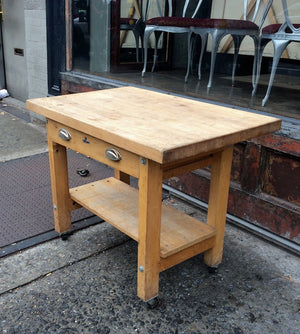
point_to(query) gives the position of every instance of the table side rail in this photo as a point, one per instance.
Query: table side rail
(182, 167)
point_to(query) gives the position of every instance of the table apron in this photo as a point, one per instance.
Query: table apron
(93, 147)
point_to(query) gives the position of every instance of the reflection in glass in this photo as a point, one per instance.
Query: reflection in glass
(92, 28)
(81, 34)
(133, 14)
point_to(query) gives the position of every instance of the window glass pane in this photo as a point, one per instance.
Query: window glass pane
(81, 34)
(133, 13)
(91, 44)
(108, 42)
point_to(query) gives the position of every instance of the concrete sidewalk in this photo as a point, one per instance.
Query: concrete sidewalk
(87, 284)
(18, 136)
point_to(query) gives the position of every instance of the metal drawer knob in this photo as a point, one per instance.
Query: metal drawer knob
(64, 134)
(113, 154)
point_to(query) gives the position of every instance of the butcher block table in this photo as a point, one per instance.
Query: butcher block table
(151, 136)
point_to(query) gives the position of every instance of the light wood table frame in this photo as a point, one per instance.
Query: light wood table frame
(151, 136)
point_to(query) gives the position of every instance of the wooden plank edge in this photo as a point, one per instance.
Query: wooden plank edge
(187, 253)
(175, 250)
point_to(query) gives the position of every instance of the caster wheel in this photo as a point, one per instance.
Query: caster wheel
(65, 236)
(212, 270)
(164, 196)
(152, 303)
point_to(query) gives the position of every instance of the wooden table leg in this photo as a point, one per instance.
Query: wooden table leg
(217, 204)
(60, 187)
(122, 176)
(150, 192)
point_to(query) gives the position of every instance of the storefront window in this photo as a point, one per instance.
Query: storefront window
(107, 42)
(107, 34)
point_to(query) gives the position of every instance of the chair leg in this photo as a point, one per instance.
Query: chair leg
(137, 41)
(279, 47)
(256, 51)
(258, 67)
(237, 43)
(138, 31)
(216, 38)
(142, 42)
(146, 41)
(260, 50)
(189, 56)
(157, 36)
(203, 48)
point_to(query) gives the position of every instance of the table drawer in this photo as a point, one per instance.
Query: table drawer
(95, 148)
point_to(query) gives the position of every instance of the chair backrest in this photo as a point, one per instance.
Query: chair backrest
(266, 4)
(265, 13)
(288, 23)
(185, 7)
(255, 12)
(187, 4)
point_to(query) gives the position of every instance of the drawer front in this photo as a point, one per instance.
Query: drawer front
(95, 148)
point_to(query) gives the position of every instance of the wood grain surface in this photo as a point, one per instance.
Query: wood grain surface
(158, 126)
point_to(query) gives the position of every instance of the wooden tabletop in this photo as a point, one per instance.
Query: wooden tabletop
(157, 126)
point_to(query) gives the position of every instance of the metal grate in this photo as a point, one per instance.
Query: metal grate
(25, 194)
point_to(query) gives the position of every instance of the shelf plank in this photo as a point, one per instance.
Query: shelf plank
(117, 203)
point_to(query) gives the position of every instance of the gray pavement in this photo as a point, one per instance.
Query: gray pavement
(18, 136)
(87, 284)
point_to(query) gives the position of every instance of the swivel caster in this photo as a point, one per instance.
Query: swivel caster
(152, 303)
(212, 270)
(65, 236)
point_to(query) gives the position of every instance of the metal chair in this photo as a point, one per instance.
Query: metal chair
(171, 24)
(218, 28)
(281, 36)
(136, 25)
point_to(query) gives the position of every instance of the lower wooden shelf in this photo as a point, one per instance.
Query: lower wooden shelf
(117, 203)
